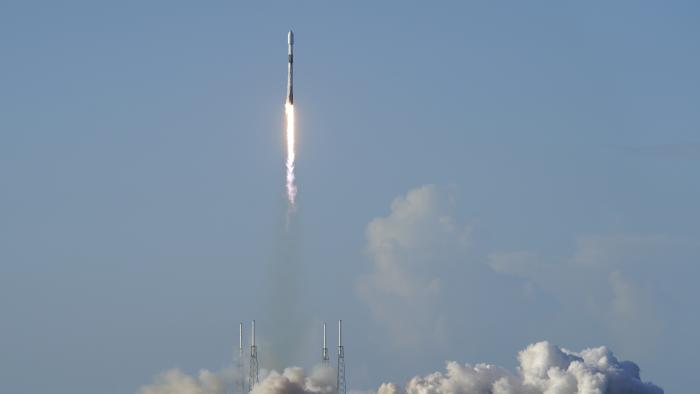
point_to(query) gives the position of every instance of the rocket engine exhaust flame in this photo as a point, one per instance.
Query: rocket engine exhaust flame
(291, 186)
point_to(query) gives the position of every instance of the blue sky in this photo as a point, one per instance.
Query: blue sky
(142, 171)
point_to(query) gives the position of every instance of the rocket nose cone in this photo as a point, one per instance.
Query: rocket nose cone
(290, 38)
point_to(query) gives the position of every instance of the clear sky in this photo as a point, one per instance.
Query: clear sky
(142, 202)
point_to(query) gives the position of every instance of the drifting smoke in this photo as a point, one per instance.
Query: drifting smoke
(544, 369)
(294, 381)
(291, 186)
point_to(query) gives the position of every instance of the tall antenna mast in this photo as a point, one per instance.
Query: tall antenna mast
(340, 383)
(325, 359)
(253, 372)
(239, 361)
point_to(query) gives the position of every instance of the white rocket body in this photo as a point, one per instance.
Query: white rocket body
(290, 66)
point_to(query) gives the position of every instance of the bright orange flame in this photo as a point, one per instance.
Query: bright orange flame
(291, 187)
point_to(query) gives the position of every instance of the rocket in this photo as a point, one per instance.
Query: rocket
(290, 65)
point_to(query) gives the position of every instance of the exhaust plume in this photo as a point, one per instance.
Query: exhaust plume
(291, 186)
(543, 369)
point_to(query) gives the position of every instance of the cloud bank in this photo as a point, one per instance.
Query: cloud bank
(422, 258)
(543, 369)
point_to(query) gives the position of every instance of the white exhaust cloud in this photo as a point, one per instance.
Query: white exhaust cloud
(543, 369)
(294, 381)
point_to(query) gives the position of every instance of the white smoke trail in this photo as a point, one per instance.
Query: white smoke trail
(282, 308)
(291, 186)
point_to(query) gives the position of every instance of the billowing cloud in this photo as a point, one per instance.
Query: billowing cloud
(543, 369)
(408, 250)
(422, 259)
(294, 381)
(419, 248)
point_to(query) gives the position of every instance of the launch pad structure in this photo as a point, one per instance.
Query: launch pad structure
(340, 382)
(253, 377)
(253, 363)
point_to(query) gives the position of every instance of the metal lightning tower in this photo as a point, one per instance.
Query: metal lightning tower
(253, 371)
(325, 359)
(340, 382)
(239, 361)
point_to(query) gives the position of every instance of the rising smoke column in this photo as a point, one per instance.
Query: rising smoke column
(291, 186)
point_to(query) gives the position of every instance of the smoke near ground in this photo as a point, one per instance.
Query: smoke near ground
(294, 380)
(291, 380)
(543, 369)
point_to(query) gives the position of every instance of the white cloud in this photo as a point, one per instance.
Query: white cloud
(294, 381)
(544, 369)
(419, 249)
(423, 265)
(409, 250)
